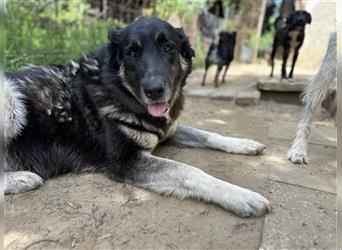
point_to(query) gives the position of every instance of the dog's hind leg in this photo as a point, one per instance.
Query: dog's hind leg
(173, 178)
(207, 65)
(219, 68)
(192, 137)
(225, 72)
(21, 181)
(274, 50)
(314, 95)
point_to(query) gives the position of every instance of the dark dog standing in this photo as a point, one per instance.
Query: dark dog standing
(291, 38)
(221, 53)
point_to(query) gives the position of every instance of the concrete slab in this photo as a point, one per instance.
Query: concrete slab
(273, 84)
(223, 94)
(248, 97)
(319, 174)
(301, 219)
(200, 92)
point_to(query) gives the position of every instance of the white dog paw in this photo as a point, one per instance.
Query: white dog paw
(246, 203)
(297, 157)
(21, 181)
(251, 147)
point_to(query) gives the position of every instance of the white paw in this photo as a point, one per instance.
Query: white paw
(236, 145)
(251, 147)
(297, 156)
(21, 181)
(246, 203)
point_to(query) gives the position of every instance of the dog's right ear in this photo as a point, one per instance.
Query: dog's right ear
(114, 35)
(186, 51)
(307, 17)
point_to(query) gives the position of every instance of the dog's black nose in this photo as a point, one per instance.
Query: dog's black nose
(155, 92)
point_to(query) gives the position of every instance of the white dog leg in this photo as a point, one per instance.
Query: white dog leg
(314, 95)
(193, 137)
(21, 181)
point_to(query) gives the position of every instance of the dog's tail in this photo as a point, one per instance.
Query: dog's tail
(15, 111)
(318, 87)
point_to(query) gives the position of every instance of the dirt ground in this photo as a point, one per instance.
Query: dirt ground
(89, 211)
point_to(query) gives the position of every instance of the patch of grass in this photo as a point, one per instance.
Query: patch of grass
(41, 32)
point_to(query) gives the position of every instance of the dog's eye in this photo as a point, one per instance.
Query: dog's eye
(168, 49)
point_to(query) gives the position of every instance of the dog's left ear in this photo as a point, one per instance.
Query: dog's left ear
(186, 51)
(114, 35)
(234, 34)
(308, 17)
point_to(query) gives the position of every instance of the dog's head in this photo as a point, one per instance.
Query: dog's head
(298, 19)
(153, 59)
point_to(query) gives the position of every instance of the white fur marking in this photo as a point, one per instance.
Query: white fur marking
(144, 139)
(234, 145)
(15, 111)
(21, 181)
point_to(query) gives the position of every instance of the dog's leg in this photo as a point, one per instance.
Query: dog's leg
(225, 72)
(297, 153)
(219, 68)
(173, 178)
(205, 72)
(274, 50)
(192, 137)
(21, 181)
(315, 93)
(295, 56)
(283, 66)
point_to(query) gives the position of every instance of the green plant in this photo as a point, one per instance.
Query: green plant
(265, 42)
(184, 8)
(45, 31)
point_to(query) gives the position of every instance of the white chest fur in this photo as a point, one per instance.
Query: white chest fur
(294, 39)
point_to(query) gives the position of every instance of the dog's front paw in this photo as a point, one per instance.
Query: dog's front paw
(246, 203)
(297, 156)
(236, 145)
(251, 147)
(21, 181)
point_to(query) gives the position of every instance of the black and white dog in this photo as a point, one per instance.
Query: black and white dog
(220, 53)
(290, 37)
(107, 112)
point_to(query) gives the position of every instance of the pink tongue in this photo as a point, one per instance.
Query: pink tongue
(156, 109)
